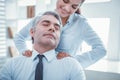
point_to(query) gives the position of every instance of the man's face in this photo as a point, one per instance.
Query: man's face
(47, 31)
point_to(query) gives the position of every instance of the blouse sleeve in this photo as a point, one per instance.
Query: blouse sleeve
(21, 37)
(97, 48)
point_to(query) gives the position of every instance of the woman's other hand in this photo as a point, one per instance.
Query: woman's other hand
(61, 55)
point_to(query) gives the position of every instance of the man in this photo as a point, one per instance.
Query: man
(45, 35)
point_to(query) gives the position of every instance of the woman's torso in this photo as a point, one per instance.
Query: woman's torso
(72, 34)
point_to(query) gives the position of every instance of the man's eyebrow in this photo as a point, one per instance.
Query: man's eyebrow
(46, 21)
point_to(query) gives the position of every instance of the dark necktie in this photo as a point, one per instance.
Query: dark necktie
(39, 69)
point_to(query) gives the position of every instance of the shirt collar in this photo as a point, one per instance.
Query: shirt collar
(70, 19)
(49, 55)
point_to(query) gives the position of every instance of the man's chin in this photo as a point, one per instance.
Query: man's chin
(50, 42)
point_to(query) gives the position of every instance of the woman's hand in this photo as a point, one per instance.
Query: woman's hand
(61, 55)
(27, 53)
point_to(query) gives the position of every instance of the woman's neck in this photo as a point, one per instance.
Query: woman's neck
(64, 20)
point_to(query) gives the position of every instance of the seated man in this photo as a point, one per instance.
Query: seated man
(45, 35)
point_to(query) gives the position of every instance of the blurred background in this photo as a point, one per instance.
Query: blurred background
(103, 15)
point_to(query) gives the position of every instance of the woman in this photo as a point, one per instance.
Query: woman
(75, 31)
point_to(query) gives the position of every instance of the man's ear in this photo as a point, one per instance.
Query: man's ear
(31, 32)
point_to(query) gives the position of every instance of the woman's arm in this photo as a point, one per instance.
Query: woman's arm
(97, 48)
(21, 37)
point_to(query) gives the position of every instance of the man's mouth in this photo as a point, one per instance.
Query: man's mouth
(51, 36)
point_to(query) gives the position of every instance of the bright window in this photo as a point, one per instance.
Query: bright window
(2, 30)
(26, 2)
(96, 1)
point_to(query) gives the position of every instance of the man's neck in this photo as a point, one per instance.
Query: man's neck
(41, 49)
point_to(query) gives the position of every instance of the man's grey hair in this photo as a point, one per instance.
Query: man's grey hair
(53, 13)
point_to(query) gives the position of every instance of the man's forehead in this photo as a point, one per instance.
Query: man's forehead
(48, 17)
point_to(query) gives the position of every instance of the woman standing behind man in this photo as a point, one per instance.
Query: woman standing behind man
(75, 31)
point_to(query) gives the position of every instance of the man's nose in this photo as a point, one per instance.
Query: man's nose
(52, 28)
